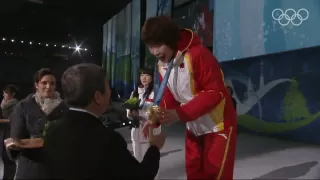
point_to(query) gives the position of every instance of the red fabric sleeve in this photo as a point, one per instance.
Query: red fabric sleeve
(209, 79)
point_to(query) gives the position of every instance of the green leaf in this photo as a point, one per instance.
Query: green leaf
(132, 103)
(49, 126)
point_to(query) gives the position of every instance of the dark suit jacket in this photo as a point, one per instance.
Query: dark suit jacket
(81, 147)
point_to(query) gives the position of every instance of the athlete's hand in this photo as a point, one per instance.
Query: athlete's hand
(168, 116)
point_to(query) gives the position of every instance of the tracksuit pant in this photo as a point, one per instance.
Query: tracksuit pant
(211, 156)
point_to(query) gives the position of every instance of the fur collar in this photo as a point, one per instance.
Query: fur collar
(6, 104)
(48, 104)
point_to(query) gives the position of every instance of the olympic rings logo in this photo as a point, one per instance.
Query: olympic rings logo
(290, 16)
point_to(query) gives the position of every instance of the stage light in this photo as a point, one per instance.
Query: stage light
(77, 48)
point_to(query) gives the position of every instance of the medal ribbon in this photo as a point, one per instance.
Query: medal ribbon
(159, 91)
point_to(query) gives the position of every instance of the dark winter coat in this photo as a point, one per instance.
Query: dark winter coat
(8, 165)
(7, 110)
(27, 121)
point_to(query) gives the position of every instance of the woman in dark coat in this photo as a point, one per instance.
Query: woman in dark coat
(28, 121)
(8, 103)
(9, 100)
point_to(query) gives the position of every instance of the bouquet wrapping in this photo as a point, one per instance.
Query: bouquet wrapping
(133, 104)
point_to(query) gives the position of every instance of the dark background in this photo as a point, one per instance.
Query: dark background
(61, 22)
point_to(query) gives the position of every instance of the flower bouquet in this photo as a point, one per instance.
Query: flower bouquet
(133, 104)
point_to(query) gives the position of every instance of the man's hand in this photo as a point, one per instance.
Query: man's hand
(168, 116)
(156, 140)
(145, 129)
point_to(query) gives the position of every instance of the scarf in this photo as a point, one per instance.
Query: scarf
(8, 103)
(48, 104)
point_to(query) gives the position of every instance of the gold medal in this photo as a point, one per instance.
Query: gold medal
(153, 114)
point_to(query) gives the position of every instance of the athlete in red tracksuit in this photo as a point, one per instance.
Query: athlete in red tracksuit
(195, 94)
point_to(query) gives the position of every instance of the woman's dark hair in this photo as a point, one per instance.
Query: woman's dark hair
(42, 72)
(160, 30)
(11, 89)
(150, 86)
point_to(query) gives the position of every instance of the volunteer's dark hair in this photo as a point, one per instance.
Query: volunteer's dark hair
(150, 86)
(11, 89)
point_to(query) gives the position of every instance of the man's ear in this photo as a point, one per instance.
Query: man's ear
(97, 97)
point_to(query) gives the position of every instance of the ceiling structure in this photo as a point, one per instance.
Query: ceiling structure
(57, 20)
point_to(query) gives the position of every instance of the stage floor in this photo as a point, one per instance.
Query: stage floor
(256, 158)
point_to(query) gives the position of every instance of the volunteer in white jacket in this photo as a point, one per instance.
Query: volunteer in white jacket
(143, 91)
